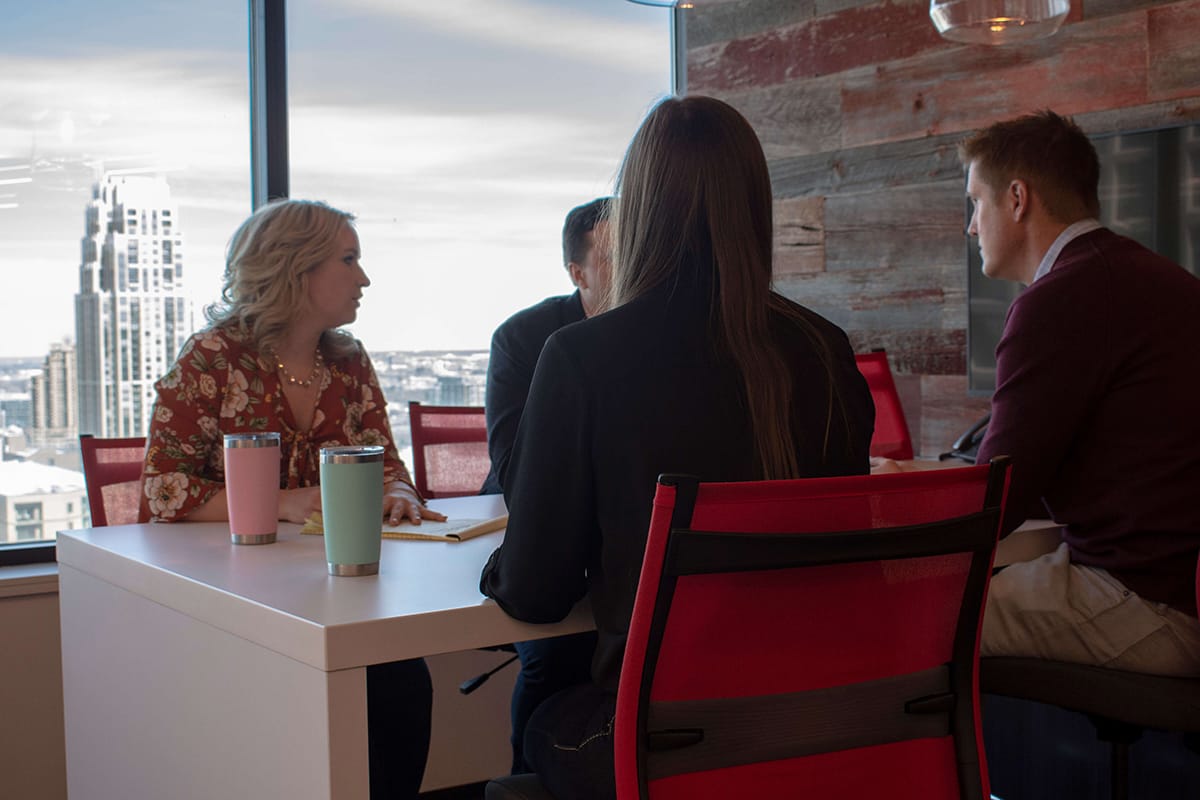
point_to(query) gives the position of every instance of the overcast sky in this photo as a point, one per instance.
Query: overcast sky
(458, 132)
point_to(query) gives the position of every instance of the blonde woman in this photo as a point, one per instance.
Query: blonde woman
(273, 359)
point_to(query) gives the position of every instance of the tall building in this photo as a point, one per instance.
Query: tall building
(53, 396)
(131, 316)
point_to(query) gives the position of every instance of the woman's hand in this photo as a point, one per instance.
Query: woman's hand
(400, 501)
(297, 505)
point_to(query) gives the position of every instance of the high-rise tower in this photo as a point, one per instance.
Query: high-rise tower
(131, 316)
(53, 396)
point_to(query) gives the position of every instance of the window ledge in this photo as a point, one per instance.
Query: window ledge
(28, 579)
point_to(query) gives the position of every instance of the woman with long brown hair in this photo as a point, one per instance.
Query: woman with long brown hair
(697, 367)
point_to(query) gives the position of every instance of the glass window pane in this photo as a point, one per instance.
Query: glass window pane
(460, 134)
(124, 158)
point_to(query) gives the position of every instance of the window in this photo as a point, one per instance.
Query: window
(475, 130)
(459, 137)
(28, 512)
(29, 533)
(70, 115)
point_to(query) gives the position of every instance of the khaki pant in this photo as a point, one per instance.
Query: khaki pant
(1050, 608)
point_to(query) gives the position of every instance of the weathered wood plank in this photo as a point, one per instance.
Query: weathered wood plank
(935, 158)
(946, 411)
(821, 46)
(765, 59)
(706, 25)
(1174, 41)
(895, 227)
(915, 161)
(872, 35)
(881, 302)
(799, 235)
(1152, 115)
(1086, 67)
(1094, 9)
(791, 122)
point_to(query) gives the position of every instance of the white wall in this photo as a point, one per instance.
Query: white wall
(32, 754)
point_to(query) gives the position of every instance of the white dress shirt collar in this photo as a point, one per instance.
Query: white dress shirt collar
(1072, 231)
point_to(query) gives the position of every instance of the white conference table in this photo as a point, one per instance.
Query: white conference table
(194, 668)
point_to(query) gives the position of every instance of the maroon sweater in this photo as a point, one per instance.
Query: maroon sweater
(1098, 402)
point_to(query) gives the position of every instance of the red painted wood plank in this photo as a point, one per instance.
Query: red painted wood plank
(1089, 66)
(824, 45)
(1173, 33)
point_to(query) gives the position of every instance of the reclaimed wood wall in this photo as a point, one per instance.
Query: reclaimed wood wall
(860, 105)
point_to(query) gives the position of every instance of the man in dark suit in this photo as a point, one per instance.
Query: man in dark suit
(547, 665)
(517, 343)
(1097, 375)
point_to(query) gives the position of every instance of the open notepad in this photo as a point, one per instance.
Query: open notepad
(452, 530)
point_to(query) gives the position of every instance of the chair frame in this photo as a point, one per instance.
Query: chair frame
(881, 381)
(436, 435)
(117, 472)
(690, 552)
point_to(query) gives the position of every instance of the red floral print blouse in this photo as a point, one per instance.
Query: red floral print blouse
(221, 385)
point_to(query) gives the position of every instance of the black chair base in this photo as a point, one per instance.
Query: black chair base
(1120, 704)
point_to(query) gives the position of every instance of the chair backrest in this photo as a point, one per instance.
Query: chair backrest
(891, 438)
(112, 469)
(810, 638)
(450, 455)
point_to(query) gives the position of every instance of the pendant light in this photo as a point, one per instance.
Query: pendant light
(997, 22)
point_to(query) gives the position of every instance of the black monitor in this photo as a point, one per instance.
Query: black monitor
(1149, 191)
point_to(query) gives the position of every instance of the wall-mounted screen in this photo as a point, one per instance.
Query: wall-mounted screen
(1149, 191)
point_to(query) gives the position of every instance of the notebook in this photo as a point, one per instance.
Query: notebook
(452, 530)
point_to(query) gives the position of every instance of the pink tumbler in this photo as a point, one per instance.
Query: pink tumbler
(252, 486)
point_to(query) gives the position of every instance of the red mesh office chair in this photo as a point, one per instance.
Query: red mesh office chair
(112, 469)
(810, 638)
(891, 438)
(450, 455)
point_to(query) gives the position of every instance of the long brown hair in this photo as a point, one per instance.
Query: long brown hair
(694, 193)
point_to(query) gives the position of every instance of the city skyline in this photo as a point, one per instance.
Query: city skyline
(459, 141)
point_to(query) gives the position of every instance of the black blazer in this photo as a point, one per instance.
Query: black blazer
(617, 400)
(516, 345)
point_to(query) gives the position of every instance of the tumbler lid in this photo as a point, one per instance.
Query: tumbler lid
(351, 454)
(261, 439)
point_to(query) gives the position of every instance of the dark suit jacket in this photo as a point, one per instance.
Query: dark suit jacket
(618, 399)
(1097, 380)
(516, 345)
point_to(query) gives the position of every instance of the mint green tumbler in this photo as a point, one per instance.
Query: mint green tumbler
(352, 508)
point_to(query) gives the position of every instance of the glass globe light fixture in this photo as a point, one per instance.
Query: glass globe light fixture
(997, 22)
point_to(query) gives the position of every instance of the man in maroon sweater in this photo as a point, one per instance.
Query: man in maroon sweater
(1097, 402)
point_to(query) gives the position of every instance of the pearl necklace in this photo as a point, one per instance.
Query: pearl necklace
(318, 362)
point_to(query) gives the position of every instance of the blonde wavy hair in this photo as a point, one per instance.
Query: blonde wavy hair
(269, 257)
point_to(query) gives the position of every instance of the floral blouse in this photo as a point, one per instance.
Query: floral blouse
(221, 385)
